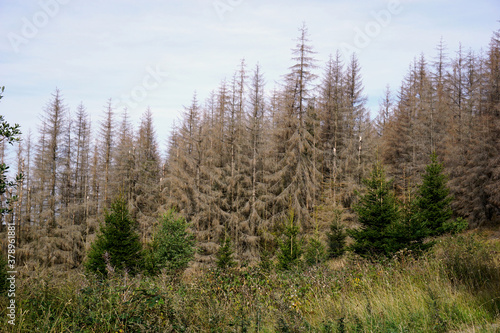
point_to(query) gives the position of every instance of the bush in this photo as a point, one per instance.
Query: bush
(266, 262)
(290, 246)
(225, 254)
(172, 247)
(315, 252)
(455, 226)
(336, 240)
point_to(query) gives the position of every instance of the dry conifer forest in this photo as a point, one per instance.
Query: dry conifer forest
(272, 210)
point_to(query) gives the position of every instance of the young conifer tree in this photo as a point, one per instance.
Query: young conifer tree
(173, 246)
(377, 213)
(434, 200)
(315, 251)
(410, 232)
(290, 245)
(336, 239)
(118, 240)
(225, 254)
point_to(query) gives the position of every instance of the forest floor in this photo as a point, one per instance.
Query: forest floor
(453, 288)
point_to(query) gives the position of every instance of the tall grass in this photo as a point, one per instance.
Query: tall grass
(454, 288)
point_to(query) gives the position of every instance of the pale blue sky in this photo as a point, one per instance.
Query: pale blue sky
(157, 53)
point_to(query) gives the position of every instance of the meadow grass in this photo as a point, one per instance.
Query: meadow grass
(454, 288)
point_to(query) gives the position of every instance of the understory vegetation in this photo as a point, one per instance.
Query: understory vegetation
(455, 287)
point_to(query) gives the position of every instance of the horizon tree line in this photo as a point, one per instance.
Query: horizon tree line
(237, 163)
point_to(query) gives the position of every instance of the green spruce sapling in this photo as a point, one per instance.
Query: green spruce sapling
(224, 256)
(118, 240)
(377, 212)
(433, 202)
(336, 239)
(290, 246)
(172, 247)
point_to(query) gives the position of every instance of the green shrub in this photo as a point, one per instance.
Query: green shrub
(290, 246)
(225, 254)
(455, 226)
(336, 240)
(172, 247)
(265, 262)
(315, 252)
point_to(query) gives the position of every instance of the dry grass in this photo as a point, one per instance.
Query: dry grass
(445, 291)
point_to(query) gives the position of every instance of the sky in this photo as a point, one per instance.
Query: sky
(157, 53)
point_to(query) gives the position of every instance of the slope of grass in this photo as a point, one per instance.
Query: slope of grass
(456, 288)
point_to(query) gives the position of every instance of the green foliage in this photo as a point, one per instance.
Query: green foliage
(387, 226)
(10, 134)
(289, 244)
(341, 325)
(117, 246)
(5, 185)
(265, 262)
(336, 240)
(267, 249)
(410, 232)
(455, 226)
(225, 254)
(173, 246)
(433, 201)
(315, 252)
(73, 305)
(426, 294)
(96, 262)
(377, 213)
